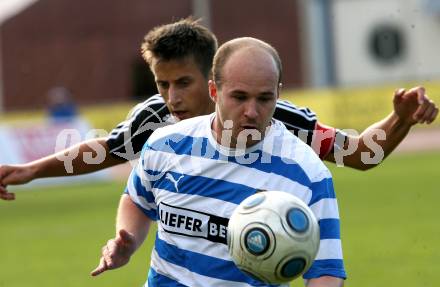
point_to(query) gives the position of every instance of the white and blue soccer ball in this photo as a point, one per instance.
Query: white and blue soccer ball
(273, 236)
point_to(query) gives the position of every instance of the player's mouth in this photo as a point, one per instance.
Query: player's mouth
(252, 129)
(249, 127)
(181, 115)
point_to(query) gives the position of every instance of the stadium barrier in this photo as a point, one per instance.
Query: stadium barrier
(26, 141)
(356, 107)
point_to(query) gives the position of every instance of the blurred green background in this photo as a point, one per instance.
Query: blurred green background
(390, 231)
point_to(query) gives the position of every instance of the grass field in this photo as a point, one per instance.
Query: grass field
(53, 236)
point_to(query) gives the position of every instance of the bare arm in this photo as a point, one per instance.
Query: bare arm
(393, 130)
(131, 219)
(86, 157)
(381, 138)
(325, 281)
(131, 230)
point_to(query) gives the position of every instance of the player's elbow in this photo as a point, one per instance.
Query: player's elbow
(362, 165)
(365, 167)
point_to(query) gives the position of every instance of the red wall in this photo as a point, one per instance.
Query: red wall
(90, 47)
(87, 46)
(275, 22)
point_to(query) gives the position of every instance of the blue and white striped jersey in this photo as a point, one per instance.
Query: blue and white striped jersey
(190, 185)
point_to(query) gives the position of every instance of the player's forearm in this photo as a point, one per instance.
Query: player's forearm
(395, 131)
(132, 220)
(86, 157)
(371, 147)
(379, 140)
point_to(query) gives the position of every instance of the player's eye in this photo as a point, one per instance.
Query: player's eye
(184, 83)
(265, 99)
(239, 97)
(162, 85)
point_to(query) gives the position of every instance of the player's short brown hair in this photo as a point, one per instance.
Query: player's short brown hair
(179, 40)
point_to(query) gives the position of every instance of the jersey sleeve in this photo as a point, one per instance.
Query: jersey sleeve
(327, 140)
(127, 139)
(329, 260)
(323, 139)
(303, 123)
(139, 189)
(298, 120)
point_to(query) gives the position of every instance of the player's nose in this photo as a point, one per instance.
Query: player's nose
(251, 110)
(174, 98)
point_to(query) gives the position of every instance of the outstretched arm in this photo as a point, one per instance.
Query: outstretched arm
(131, 230)
(85, 157)
(410, 107)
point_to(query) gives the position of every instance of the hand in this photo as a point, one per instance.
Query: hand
(13, 174)
(414, 106)
(116, 253)
(5, 195)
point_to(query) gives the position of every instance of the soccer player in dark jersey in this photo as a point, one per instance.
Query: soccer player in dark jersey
(180, 57)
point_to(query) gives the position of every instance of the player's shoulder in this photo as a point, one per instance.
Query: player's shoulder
(289, 107)
(292, 149)
(151, 101)
(153, 104)
(287, 136)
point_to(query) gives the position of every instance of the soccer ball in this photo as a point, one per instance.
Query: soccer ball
(273, 236)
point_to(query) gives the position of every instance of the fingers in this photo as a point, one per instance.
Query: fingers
(5, 195)
(414, 106)
(426, 113)
(421, 94)
(433, 116)
(16, 174)
(102, 267)
(398, 94)
(416, 93)
(106, 261)
(110, 252)
(2, 173)
(115, 253)
(421, 111)
(5, 171)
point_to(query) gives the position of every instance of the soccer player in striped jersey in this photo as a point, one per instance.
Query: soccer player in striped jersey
(191, 176)
(180, 57)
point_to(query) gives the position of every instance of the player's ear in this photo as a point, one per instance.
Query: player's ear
(213, 90)
(280, 86)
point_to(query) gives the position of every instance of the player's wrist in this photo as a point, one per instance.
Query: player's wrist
(401, 122)
(32, 172)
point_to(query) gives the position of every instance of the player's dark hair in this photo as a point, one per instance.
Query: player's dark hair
(179, 40)
(227, 49)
